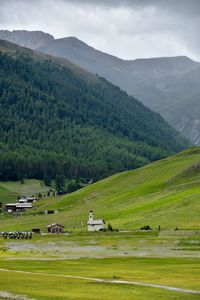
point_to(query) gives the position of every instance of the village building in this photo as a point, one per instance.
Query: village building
(95, 225)
(31, 199)
(26, 199)
(50, 211)
(55, 228)
(22, 200)
(36, 230)
(17, 207)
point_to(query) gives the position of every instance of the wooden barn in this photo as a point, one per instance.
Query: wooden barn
(55, 228)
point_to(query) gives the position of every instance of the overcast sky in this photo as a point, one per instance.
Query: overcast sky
(126, 28)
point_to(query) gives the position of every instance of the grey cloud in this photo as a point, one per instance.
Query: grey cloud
(177, 6)
(129, 28)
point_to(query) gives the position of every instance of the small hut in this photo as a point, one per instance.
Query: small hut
(36, 230)
(55, 228)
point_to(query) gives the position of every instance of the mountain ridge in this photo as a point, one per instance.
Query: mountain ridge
(152, 81)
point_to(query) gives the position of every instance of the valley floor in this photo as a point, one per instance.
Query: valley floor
(116, 265)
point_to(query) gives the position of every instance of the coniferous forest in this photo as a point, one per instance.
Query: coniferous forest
(54, 120)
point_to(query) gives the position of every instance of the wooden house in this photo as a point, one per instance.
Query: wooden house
(17, 207)
(55, 228)
(26, 199)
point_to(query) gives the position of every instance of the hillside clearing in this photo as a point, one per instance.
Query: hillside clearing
(10, 190)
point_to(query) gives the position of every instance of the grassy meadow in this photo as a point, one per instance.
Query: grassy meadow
(50, 266)
(52, 287)
(52, 283)
(10, 190)
(164, 193)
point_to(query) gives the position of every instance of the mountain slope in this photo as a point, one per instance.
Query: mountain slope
(156, 82)
(160, 83)
(56, 119)
(29, 39)
(164, 193)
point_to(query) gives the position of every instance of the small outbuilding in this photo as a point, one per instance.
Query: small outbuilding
(36, 230)
(26, 199)
(50, 211)
(95, 225)
(55, 228)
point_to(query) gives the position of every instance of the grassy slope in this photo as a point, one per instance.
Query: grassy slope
(9, 190)
(164, 193)
(159, 271)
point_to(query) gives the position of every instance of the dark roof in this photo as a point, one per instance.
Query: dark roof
(20, 205)
(96, 222)
(55, 224)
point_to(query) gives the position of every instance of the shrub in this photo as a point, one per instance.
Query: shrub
(110, 228)
(146, 227)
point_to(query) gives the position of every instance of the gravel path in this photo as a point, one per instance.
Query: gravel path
(158, 286)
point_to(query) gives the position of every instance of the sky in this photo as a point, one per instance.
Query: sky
(125, 28)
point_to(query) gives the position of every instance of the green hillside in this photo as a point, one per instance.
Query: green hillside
(56, 119)
(10, 190)
(164, 193)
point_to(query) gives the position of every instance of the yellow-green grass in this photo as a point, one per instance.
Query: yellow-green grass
(10, 190)
(58, 288)
(6, 195)
(36, 257)
(180, 273)
(165, 193)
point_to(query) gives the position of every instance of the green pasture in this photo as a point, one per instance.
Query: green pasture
(182, 273)
(169, 258)
(10, 190)
(165, 193)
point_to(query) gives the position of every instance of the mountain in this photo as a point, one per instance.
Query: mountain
(164, 193)
(184, 113)
(166, 85)
(160, 83)
(29, 39)
(58, 119)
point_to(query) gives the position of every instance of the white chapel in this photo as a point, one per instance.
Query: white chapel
(95, 225)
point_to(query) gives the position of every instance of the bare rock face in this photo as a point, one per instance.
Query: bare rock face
(29, 39)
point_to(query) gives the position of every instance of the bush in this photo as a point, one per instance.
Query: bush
(73, 186)
(110, 228)
(146, 227)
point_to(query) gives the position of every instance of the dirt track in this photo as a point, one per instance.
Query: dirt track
(99, 280)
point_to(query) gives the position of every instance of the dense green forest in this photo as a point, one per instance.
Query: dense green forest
(54, 120)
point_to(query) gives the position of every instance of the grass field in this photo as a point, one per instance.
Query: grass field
(81, 266)
(56, 288)
(164, 193)
(49, 259)
(10, 190)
